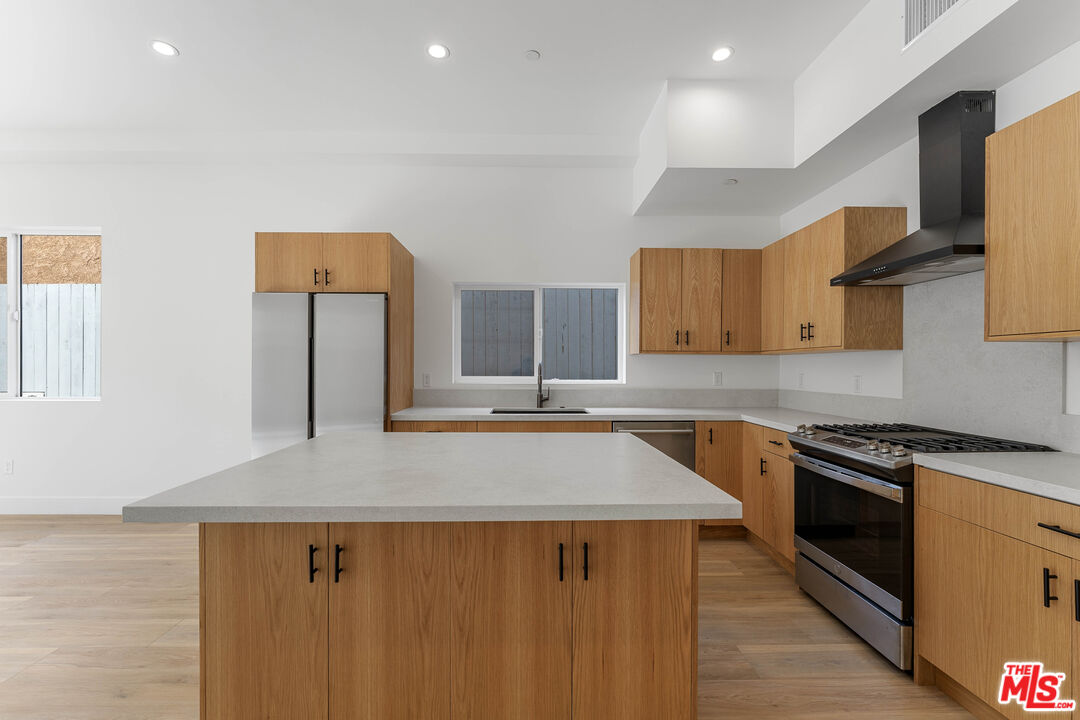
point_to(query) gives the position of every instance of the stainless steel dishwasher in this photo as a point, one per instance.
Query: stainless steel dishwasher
(674, 439)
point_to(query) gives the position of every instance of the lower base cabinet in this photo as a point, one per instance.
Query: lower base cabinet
(768, 493)
(984, 598)
(403, 621)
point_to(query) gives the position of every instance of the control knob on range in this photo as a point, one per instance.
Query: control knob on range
(884, 448)
(871, 445)
(899, 451)
(801, 430)
(810, 430)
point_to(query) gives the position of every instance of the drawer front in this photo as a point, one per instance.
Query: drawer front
(1002, 510)
(775, 442)
(433, 426)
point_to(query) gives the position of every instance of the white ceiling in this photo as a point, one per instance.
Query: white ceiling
(303, 65)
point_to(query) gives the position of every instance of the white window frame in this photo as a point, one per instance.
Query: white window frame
(13, 236)
(538, 334)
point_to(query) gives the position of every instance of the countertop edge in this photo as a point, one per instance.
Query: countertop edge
(508, 513)
(1011, 481)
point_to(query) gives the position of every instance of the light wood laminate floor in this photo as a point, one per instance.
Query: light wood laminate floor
(99, 620)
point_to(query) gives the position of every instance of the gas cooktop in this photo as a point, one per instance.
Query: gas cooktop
(889, 445)
(929, 440)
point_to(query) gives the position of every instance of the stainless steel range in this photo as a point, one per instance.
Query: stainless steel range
(854, 514)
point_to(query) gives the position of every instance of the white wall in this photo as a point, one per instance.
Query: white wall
(178, 273)
(730, 124)
(893, 180)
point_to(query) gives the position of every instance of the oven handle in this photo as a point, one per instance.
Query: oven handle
(870, 484)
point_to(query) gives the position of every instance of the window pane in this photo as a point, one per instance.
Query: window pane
(3, 316)
(497, 334)
(61, 315)
(581, 333)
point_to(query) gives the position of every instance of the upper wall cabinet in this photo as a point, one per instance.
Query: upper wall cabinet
(802, 311)
(322, 262)
(349, 263)
(695, 300)
(1033, 226)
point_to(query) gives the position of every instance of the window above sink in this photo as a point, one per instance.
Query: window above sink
(501, 332)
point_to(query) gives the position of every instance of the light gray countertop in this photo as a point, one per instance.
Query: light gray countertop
(783, 419)
(1054, 475)
(444, 477)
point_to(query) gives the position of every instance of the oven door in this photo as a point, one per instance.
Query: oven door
(857, 527)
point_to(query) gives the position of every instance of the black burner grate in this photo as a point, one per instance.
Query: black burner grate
(924, 439)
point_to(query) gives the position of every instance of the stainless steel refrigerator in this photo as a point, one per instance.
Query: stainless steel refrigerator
(318, 365)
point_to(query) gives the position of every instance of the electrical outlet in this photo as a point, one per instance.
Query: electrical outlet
(9, 467)
(426, 379)
(802, 380)
(858, 384)
(718, 378)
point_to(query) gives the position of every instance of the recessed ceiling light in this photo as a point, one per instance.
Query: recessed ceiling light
(722, 53)
(533, 55)
(439, 52)
(163, 48)
(731, 181)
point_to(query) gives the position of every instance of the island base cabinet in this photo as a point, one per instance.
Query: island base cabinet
(462, 620)
(263, 621)
(635, 620)
(389, 621)
(511, 609)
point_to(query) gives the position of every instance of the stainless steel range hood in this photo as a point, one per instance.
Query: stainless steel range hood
(952, 186)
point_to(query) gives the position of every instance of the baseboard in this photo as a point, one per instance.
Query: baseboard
(771, 552)
(966, 699)
(63, 505)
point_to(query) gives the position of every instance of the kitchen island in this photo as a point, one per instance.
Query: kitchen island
(400, 575)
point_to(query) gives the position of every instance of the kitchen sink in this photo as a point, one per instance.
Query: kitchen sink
(538, 411)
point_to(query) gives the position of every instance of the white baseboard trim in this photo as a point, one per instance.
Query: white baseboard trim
(63, 505)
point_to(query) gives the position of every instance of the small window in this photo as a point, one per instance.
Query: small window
(50, 315)
(501, 333)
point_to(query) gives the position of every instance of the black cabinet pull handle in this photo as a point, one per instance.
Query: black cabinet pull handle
(762, 466)
(710, 436)
(776, 442)
(311, 550)
(326, 277)
(810, 331)
(1076, 600)
(337, 562)
(560, 563)
(676, 337)
(585, 557)
(802, 332)
(1059, 529)
(687, 338)
(1047, 577)
(727, 337)
(316, 271)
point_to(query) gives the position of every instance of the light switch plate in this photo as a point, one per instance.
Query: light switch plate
(9, 467)
(718, 378)
(426, 379)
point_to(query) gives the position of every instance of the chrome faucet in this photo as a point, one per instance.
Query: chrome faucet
(542, 393)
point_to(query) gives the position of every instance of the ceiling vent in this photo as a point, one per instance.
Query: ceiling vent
(921, 14)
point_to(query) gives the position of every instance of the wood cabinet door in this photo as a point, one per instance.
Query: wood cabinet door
(741, 307)
(753, 499)
(979, 603)
(288, 262)
(389, 621)
(263, 622)
(702, 300)
(433, 426)
(719, 455)
(772, 296)
(778, 511)
(798, 271)
(511, 620)
(661, 299)
(635, 620)
(826, 242)
(1033, 224)
(355, 262)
